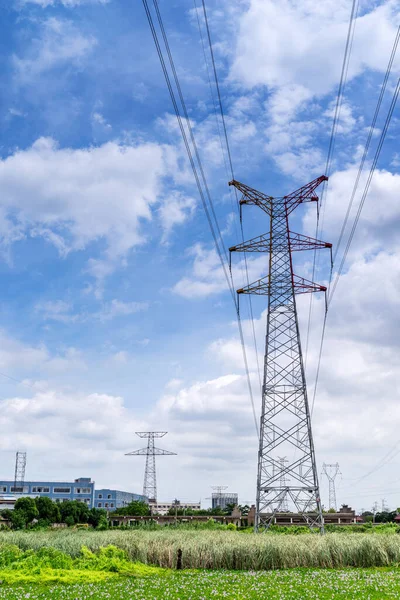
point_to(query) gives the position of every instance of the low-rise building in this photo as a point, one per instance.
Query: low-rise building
(81, 489)
(112, 499)
(162, 508)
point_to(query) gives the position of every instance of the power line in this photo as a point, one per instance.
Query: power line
(382, 138)
(233, 177)
(367, 144)
(339, 100)
(366, 189)
(194, 169)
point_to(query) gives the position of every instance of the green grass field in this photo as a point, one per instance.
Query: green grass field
(299, 584)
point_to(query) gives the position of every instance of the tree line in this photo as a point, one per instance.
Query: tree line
(43, 512)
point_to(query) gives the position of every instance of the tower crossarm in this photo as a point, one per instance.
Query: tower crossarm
(304, 194)
(298, 241)
(262, 287)
(252, 196)
(151, 452)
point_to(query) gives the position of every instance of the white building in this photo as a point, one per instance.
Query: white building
(162, 508)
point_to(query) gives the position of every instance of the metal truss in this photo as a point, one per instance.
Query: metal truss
(19, 478)
(285, 425)
(150, 476)
(331, 472)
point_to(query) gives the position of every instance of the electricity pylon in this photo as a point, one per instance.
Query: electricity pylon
(284, 507)
(285, 424)
(331, 472)
(19, 477)
(150, 478)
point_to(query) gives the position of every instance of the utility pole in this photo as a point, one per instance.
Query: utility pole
(19, 477)
(285, 424)
(331, 472)
(150, 479)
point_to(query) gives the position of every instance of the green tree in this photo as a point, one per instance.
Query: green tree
(229, 508)
(48, 510)
(74, 510)
(134, 509)
(18, 519)
(244, 509)
(26, 507)
(69, 520)
(97, 516)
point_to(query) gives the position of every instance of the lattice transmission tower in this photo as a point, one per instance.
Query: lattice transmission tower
(150, 452)
(331, 472)
(284, 507)
(285, 425)
(19, 477)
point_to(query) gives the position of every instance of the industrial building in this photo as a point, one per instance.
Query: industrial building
(221, 500)
(112, 499)
(81, 489)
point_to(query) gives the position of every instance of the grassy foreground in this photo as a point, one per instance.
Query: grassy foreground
(305, 584)
(222, 549)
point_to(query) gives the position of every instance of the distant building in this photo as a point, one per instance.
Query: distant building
(7, 502)
(81, 489)
(162, 508)
(112, 499)
(222, 500)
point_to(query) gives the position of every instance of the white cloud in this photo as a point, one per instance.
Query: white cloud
(63, 311)
(305, 44)
(17, 357)
(75, 197)
(175, 210)
(207, 275)
(98, 119)
(80, 430)
(116, 308)
(60, 43)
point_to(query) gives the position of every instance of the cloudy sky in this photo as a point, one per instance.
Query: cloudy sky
(114, 312)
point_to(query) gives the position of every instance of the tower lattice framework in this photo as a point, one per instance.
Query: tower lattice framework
(285, 424)
(19, 476)
(150, 475)
(331, 471)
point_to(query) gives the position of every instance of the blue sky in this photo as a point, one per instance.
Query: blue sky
(114, 312)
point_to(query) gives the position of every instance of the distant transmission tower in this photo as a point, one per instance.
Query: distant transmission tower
(150, 479)
(284, 507)
(285, 416)
(331, 472)
(19, 478)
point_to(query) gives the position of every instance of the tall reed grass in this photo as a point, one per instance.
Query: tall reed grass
(222, 550)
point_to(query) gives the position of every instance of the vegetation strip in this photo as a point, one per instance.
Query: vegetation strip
(307, 584)
(220, 549)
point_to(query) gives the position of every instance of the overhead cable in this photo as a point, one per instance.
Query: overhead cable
(366, 189)
(213, 226)
(331, 291)
(336, 117)
(233, 177)
(367, 144)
